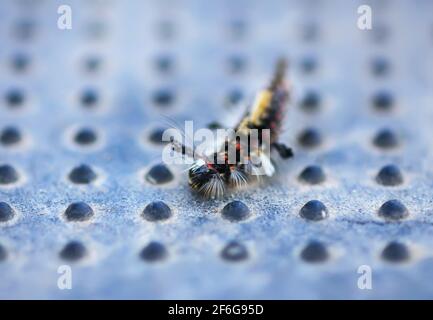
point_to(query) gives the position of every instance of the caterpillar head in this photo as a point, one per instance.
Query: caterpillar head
(208, 179)
(212, 180)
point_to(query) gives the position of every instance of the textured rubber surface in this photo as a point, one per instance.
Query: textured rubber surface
(79, 120)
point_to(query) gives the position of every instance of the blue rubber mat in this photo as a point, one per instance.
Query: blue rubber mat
(84, 193)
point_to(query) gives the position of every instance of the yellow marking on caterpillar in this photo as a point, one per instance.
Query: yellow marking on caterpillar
(262, 101)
